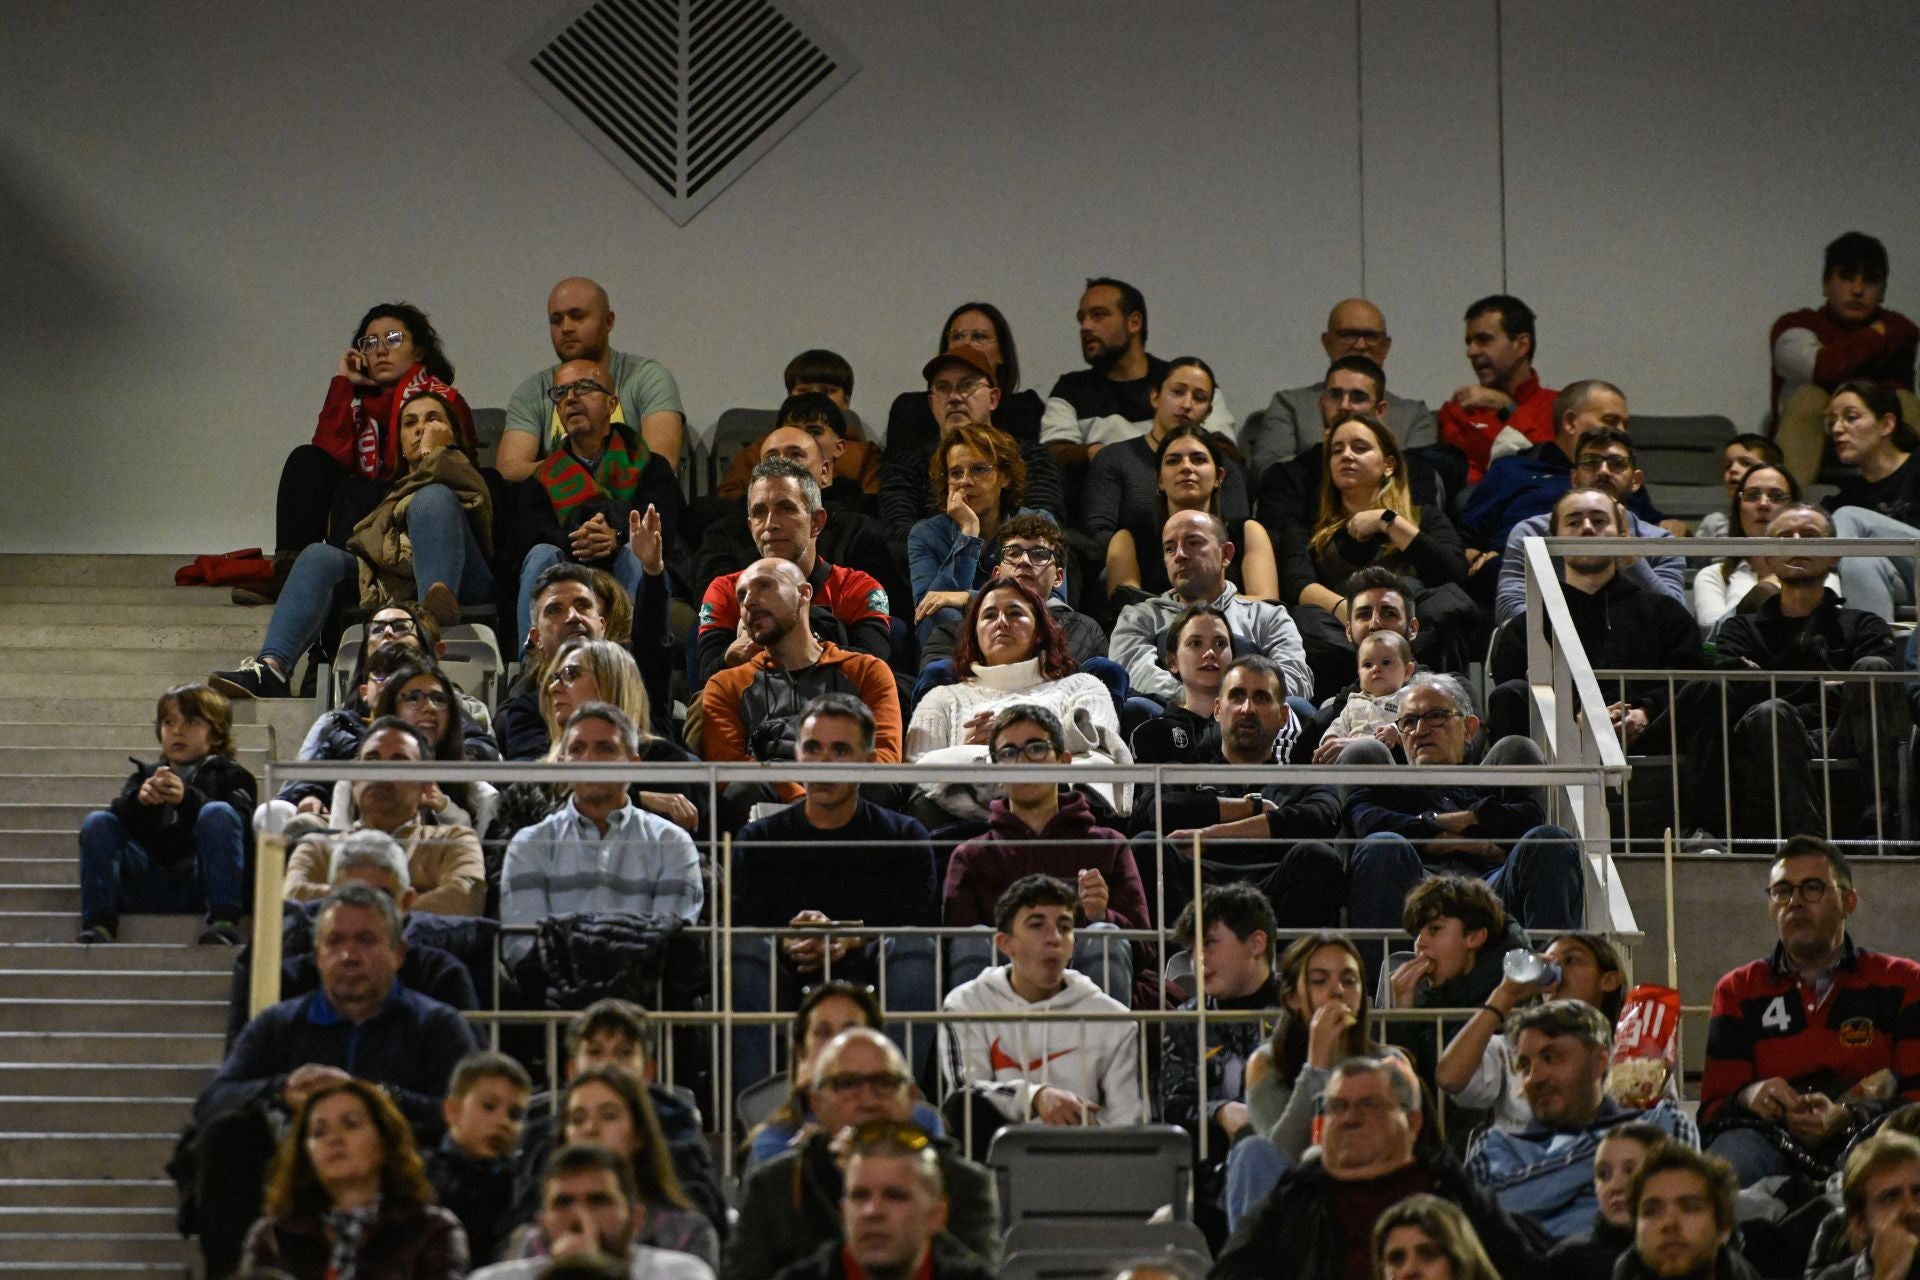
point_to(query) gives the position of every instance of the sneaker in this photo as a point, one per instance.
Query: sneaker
(220, 933)
(95, 933)
(251, 679)
(443, 605)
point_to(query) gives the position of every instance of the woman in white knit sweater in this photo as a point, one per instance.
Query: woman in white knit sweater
(1013, 651)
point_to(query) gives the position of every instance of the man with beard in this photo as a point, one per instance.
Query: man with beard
(1506, 394)
(751, 711)
(568, 600)
(1602, 459)
(1545, 1171)
(1682, 1206)
(580, 320)
(1106, 402)
(1621, 625)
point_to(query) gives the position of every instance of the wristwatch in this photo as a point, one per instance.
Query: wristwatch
(1388, 516)
(1431, 817)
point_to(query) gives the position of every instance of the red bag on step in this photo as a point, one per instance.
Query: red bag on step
(243, 568)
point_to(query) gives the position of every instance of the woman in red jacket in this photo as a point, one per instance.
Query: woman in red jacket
(328, 486)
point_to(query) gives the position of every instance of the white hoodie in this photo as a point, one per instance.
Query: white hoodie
(1008, 1062)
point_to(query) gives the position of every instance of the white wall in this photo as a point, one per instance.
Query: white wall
(197, 201)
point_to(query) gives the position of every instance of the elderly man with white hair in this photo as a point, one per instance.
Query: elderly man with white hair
(373, 858)
(791, 1205)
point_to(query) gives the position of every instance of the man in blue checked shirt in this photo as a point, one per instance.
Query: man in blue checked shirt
(598, 852)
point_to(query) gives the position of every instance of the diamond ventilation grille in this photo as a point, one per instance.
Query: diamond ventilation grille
(682, 96)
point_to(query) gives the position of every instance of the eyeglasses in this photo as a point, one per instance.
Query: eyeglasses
(390, 626)
(946, 390)
(848, 1081)
(582, 387)
(1373, 1107)
(1604, 462)
(1037, 750)
(975, 471)
(1038, 557)
(431, 697)
(1810, 891)
(1366, 337)
(566, 673)
(393, 338)
(1432, 718)
(1778, 497)
(970, 337)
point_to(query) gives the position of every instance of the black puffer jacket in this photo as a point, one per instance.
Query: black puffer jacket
(166, 830)
(593, 955)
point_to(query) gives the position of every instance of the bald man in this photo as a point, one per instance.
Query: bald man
(580, 319)
(751, 710)
(1291, 422)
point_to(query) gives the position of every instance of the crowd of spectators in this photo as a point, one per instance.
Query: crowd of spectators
(1110, 574)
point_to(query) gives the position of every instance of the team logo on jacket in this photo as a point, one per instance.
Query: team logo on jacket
(1856, 1033)
(877, 601)
(1000, 1060)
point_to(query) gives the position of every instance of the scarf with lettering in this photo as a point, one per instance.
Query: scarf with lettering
(569, 483)
(376, 441)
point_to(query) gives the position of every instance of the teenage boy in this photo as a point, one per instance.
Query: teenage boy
(1461, 934)
(1683, 1206)
(1045, 1070)
(472, 1168)
(1235, 962)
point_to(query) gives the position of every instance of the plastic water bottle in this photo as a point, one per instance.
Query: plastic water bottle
(1522, 965)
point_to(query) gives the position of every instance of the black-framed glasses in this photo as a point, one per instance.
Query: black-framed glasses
(431, 697)
(1810, 891)
(1604, 462)
(1039, 557)
(1432, 718)
(579, 387)
(391, 626)
(566, 673)
(392, 339)
(881, 1081)
(965, 387)
(1038, 750)
(1778, 497)
(973, 471)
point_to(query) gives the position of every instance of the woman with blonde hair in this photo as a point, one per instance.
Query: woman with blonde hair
(348, 1197)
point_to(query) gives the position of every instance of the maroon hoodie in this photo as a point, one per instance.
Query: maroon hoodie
(983, 867)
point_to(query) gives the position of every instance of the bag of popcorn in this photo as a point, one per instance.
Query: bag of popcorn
(1645, 1046)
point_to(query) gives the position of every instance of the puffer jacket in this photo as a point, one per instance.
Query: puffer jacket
(166, 830)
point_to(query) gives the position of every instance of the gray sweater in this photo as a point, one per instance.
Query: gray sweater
(1266, 627)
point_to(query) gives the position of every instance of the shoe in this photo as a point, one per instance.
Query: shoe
(266, 592)
(443, 605)
(253, 678)
(95, 933)
(220, 933)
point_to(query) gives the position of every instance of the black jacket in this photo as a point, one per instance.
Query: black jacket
(586, 956)
(531, 521)
(1832, 638)
(828, 1262)
(1621, 626)
(166, 830)
(1591, 1256)
(478, 1192)
(1729, 1265)
(1291, 1235)
(1303, 812)
(1229, 1046)
(850, 537)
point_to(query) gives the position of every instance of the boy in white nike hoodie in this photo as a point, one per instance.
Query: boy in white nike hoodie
(1062, 1071)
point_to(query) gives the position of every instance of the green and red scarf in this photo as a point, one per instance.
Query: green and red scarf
(617, 475)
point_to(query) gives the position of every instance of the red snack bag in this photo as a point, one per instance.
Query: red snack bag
(1645, 1046)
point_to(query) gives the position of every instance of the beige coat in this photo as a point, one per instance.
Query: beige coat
(381, 542)
(449, 874)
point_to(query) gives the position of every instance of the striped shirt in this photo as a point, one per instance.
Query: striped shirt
(563, 864)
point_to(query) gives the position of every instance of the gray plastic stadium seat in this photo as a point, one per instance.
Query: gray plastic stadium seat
(1090, 1264)
(736, 429)
(1122, 1174)
(1681, 456)
(1117, 1239)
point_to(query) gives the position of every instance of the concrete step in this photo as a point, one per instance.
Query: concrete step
(65, 953)
(80, 1193)
(71, 1219)
(85, 1154)
(57, 871)
(198, 1048)
(146, 689)
(76, 1115)
(124, 983)
(124, 1114)
(40, 845)
(39, 897)
(83, 572)
(116, 740)
(61, 926)
(61, 760)
(62, 817)
(97, 789)
(110, 1080)
(14, 594)
(161, 667)
(88, 1250)
(105, 1270)
(40, 707)
(186, 611)
(154, 1016)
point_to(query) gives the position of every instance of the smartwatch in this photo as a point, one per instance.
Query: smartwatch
(1388, 516)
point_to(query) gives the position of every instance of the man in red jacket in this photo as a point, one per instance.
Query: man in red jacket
(1850, 335)
(1507, 393)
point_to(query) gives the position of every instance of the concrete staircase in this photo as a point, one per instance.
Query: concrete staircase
(102, 1049)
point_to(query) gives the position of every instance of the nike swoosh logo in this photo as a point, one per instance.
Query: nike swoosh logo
(1000, 1060)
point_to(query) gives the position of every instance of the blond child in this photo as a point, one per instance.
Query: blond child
(1386, 663)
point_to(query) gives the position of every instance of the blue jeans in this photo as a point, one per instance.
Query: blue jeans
(118, 874)
(1540, 884)
(1874, 583)
(444, 550)
(1254, 1167)
(762, 987)
(1750, 1154)
(625, 569)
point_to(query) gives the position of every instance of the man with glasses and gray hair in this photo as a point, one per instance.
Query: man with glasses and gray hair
(1800, 1042)
(862, 1093)
(1317, 1223)
(1497, 834)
